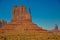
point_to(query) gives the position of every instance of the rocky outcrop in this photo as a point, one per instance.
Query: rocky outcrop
(21, 22)
(55, 30)
(2, 23)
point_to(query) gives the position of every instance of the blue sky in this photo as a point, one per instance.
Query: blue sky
(45, 13)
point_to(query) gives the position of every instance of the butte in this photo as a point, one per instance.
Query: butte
(21, 22)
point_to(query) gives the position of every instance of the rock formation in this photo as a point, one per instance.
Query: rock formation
(2, 23)
(21, 22)
(55, 30)
(56, 27)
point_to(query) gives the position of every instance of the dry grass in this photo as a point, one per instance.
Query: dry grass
(32, 36)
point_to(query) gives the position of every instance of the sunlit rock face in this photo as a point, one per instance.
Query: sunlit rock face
(19, 14)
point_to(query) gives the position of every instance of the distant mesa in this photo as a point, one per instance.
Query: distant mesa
(55, 29)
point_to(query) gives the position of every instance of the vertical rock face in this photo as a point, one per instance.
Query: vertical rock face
(19, 14)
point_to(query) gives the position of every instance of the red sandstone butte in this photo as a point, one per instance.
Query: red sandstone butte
(21, 22)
